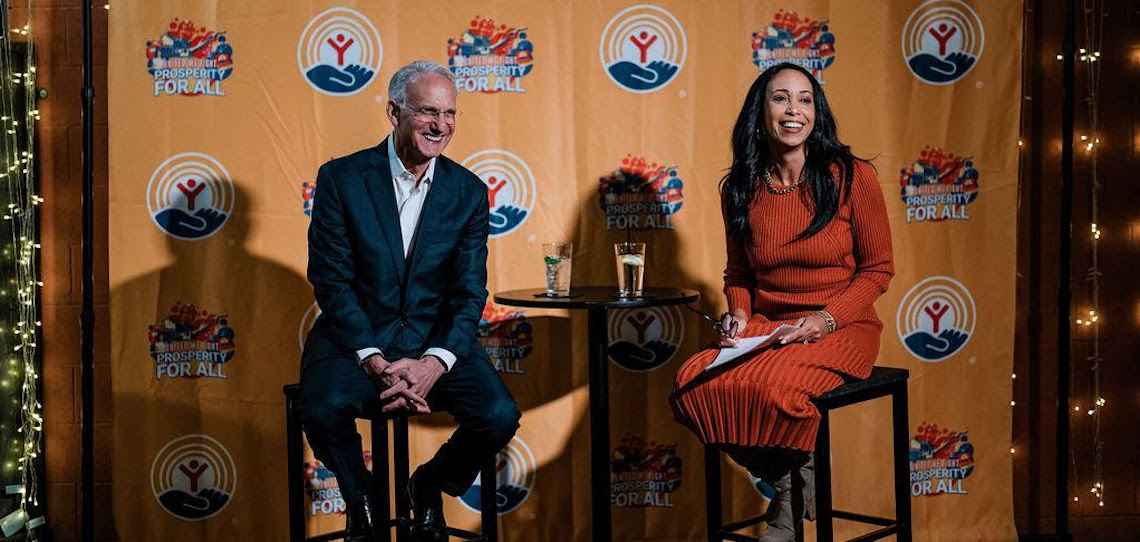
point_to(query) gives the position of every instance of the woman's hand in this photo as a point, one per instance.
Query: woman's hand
(812, 328)
(730, 335)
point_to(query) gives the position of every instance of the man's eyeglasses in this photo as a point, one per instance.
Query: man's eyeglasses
(431, 113)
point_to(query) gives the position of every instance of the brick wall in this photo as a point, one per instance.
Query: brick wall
(57, 30)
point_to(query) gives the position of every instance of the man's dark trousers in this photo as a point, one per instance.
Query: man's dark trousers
(336, 391)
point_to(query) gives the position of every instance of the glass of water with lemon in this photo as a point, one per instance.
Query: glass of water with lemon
(630, 260)
(557, 259)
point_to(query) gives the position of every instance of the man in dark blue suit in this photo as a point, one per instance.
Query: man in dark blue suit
(398, 263)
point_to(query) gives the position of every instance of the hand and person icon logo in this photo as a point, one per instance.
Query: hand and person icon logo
(936, 318)
(942, 41)
(643, 48)
(193, 477)
(190, 196)
(339, 52)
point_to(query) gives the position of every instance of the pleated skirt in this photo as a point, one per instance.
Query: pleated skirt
(765, 399)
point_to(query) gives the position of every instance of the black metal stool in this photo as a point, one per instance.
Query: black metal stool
(883, 381)
(402, 519)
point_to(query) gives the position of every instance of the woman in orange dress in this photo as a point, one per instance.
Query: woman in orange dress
(809, 245)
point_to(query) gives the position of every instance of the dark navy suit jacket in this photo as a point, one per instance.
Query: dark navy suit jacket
(370, 295)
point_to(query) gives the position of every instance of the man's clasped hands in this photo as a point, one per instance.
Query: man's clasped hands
(404, 383)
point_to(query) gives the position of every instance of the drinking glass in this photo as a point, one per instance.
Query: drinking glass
(557, 259)
(630, 260)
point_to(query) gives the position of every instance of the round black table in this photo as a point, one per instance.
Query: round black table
(597, 300)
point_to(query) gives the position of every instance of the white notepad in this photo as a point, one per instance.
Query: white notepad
(749, 345)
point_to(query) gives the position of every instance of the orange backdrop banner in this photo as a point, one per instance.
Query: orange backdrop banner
(585, 120)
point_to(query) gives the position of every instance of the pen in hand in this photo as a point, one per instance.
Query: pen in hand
(729, 327)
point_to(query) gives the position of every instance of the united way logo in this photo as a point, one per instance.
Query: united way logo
(339, 52)
(308, 192)
(510, 188)
(193, 477)
(506, 337)
(189, 60)
(645, 339)
(307, 322)
(942, 41)
(643, 48)
(644, 474)
(489, 58)
(795, 39)
(190, 343)
(940, 461)
(938, 186)
(641, 195)
(322, 488)
(936, 318)
(515, 470)
(190, 196)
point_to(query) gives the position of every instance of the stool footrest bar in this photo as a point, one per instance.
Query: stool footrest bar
(863, 518)
(738, 537)
(466, 535)
(335, 535)
(738, 525)
(875, 535)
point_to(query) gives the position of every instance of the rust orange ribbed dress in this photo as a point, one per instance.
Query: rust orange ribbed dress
(764, 400)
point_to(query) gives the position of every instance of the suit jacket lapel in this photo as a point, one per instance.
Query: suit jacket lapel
(383, 195)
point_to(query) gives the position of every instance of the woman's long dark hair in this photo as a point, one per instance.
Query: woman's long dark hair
(750, 157)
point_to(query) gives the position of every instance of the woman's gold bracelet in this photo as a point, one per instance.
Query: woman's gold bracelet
(827, 317)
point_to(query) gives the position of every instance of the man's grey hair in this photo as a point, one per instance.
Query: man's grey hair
(398, 85)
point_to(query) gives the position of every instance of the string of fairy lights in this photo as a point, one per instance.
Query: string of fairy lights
(1090, 321)
(19, 295)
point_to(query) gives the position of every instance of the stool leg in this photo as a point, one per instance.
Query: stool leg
(823, 520)
(713, 511)
(901, 426)
(489, 500)
(381, 496)
(400, 476)
(294, 452)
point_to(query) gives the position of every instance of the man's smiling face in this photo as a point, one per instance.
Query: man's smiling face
(424, 125)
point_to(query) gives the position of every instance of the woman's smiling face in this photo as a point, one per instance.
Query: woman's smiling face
(789, 113)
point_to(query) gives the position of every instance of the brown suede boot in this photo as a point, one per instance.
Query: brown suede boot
(781, 525)
(775, 466)
(807, 473)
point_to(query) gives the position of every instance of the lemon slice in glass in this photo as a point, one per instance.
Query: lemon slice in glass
(633, 259)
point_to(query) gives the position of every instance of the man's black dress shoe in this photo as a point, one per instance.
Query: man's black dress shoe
(358, 524)
(426, 501)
